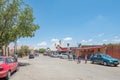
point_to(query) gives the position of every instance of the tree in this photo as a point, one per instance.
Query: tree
(16, 21)
(42, 50)
(24, 51)
(36, 51)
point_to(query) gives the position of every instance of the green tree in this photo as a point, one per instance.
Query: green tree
(42, 50)
(36, 51)
(24, 51)
(16, 21)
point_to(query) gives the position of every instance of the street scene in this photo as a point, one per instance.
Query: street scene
(59, 39)
(47, 68)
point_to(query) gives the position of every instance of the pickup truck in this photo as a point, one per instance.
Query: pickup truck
(104, 59)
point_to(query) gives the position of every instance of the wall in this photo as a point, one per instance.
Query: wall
(113, 51)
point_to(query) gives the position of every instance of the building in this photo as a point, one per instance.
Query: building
(89, 49)
(114, 51)
(64, 49)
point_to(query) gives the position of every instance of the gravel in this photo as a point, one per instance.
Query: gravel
(47, 68)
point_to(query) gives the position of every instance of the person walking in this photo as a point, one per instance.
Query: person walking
(69, 56)
(85, 58)
(74, 56)
(16, 57)
(79, 60)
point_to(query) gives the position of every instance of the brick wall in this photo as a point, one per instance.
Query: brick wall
(113, 51)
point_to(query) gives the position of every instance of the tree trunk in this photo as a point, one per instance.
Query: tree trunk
(1, 51)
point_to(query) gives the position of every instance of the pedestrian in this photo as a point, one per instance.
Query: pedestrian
(16, 57)
(91, 56)
(68, 56)
(79, 60)
(85, 58)
(74, 56)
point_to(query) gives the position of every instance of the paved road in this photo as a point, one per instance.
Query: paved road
(46, 68)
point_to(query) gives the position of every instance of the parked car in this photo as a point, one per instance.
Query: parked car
(45, 54)
(36, 54)
(7, 66)
(104, 59)
(55, 55)
(31, 56)
(63, 56)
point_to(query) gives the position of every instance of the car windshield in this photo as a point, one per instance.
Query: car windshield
(1, 60)
(107, 56)
(31, 54)
(64, 54)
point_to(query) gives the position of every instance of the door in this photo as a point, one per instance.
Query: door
(10, 64)
(99, 58)
(15, 64)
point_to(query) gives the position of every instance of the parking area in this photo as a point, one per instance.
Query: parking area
(47, 68)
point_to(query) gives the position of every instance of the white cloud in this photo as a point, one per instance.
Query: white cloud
(100, 35)
(54, 40)
(67, 39)
(84, 41)
(99, 43)
(90, 40)
(42, 44)
(87, 42)
(116, 40)
(105, 40)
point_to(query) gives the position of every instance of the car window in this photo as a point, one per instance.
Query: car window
(12, 60)
(99, 56)
(8, 60)
(1, 60)
(107, 56)
(64, 54)
(31, 54)
(95, 56)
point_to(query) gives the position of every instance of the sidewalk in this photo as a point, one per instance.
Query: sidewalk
(23, 61)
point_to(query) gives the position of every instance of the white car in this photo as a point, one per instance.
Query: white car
(63, 56)
(55, 55)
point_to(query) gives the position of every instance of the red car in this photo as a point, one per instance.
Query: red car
(7, 66)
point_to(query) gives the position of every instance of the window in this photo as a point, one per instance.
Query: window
(99, 56)
(1, 60)
(8, 60)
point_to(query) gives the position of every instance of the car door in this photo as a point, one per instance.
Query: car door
(14, 64)
(99, 58)
(95, 58)
(10, 64)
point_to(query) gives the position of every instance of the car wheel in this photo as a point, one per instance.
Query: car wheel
(115, 65)
(104, 63)
(8, 75)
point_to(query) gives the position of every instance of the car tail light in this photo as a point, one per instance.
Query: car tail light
(1, 68)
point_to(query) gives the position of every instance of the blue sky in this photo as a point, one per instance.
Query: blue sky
(74, 21)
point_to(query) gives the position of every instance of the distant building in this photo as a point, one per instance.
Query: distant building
(89, 49)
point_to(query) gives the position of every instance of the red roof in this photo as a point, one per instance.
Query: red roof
(59, 48)
(90, 48)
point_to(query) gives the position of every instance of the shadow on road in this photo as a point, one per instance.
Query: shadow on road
(104, 65)
(22, 64)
